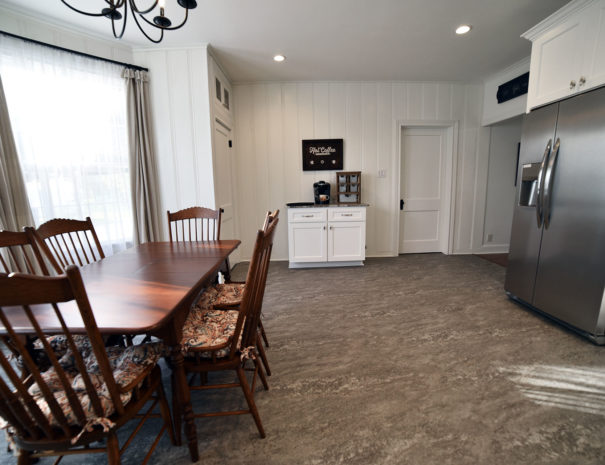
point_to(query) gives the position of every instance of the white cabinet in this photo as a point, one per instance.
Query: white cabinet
(568, 52)
(326, 236)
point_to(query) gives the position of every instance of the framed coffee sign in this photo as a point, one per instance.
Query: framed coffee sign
(322, 154)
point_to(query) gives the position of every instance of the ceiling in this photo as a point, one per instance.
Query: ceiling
(337, 39)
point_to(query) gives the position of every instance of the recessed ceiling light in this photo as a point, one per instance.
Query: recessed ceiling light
(279, 58)
(463, 29)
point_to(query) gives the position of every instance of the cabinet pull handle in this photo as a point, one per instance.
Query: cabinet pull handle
(582, 81)
(572, 84)
(307, 216)
(347, 214)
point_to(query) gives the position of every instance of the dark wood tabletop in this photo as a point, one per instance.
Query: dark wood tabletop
(137, 291)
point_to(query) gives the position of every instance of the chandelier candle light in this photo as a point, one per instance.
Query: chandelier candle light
(117, 10)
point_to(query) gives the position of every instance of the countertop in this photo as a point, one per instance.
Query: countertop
(316, 205)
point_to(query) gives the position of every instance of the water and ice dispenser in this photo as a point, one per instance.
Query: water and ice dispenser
(529, 185)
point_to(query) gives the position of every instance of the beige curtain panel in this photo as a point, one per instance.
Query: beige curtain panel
(146, 207)
(15, 212)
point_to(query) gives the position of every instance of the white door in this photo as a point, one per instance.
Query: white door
(307, 242)
(424, 189)
(223, 183)
(346, 241)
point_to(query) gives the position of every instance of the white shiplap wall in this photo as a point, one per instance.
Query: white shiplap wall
(271, 119)
(181, 121)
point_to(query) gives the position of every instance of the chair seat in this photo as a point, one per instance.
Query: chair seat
(209, 332)
(128, 364)
(221, 294)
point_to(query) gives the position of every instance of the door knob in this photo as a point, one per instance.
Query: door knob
(572, 84)
(401, 204)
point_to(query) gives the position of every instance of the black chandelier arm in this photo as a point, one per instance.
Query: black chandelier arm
(113, 24)
(169, 28)
(135, 9)
(84, 12)
(144, 33)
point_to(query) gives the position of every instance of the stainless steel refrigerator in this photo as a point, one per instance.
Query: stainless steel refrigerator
(557, 251)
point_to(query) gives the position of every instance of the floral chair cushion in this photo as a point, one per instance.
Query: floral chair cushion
(221, 294)
(209, 332)
(128, 365)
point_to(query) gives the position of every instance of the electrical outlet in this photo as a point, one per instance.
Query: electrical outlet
(490, 237)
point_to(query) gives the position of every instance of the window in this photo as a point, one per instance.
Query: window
(68, 115)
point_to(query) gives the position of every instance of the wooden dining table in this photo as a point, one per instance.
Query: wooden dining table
(147, 289)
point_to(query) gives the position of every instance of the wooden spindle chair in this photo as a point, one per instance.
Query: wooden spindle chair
(197, 224)
(89, 392)
(69, 242)
(194, 224)
(229, 294)
(19, 253)
(219, 340)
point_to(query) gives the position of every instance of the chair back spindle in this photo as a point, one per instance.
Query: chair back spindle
(19, 253)
(69, 242)
(194, 224)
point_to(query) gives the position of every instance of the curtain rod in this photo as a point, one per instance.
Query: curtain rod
(87, 55)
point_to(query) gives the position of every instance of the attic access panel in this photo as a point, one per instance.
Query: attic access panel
(322, 154)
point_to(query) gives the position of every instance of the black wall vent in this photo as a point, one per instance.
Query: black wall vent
(513, 88)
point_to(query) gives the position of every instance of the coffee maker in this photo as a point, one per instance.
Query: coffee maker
(321, 190)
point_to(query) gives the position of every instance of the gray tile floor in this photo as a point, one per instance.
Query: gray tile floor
(417, 360)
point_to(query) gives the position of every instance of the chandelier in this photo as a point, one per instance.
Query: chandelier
(117, 11)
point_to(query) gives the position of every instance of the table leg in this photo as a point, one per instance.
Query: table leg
(184, 399)
(226, 270)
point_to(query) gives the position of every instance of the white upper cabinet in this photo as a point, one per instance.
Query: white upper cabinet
(568, 52)
(594, 64)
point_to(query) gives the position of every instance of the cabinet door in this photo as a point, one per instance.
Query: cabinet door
(556, 61)
(307, 242)
(593, 69)
(346, 241)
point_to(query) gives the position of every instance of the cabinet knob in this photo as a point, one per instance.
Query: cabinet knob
(582, 81)
(572, 84)
(324, 228)
(331, 227)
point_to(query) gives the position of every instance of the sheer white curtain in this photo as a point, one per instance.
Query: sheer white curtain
(69, 120)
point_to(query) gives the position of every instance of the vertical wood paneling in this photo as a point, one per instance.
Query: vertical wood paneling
(291, 143)
(352, 161)
(246, 165)
(276, 167)
(429, 101)
(306, 130)
(178, 84)
(369, 162)
(414, 101)
(338, 111)
(444, 101)
(364, 114)
(163, 129)
(261, 155)
(399, 101)
(321, 119)
(202, 127)
(383, 210)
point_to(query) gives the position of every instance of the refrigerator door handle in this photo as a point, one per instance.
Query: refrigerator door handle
(541, 176)
(548, 183)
